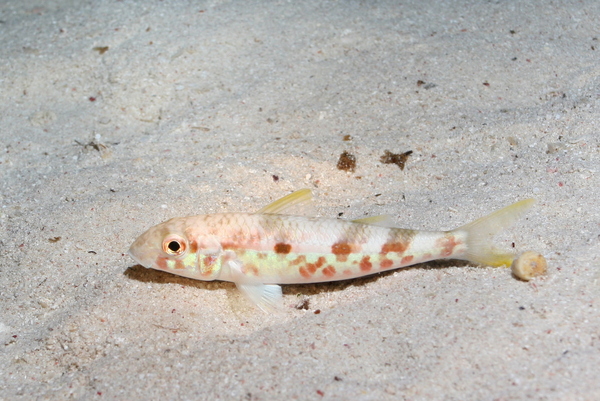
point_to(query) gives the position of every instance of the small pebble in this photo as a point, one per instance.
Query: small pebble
(529, 265)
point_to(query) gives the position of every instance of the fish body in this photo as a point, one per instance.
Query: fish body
(258, 251)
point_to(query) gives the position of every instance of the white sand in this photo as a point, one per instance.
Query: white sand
(196, 105)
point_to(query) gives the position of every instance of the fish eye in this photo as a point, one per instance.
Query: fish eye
(174, 245)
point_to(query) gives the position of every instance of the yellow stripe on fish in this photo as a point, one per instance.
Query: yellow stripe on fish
(261, 250)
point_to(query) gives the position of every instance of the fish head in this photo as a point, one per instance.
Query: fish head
(169, 247)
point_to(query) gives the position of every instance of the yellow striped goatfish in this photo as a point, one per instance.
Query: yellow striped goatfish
(259, 250)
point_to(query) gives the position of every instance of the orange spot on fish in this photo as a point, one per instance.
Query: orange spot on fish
(386, 263)
(407, 259)
(209, 260)
(161, 263)
(347, 272)
(193, 246)
(299, 260)
(341, 250)
(365, 264)
(308, 269)
(320, 262)
(234, 246)
(282, 248)
(398, 247)
(447, 244)
(329, 271)
(250, 270)
(304, 272)
(179, 264)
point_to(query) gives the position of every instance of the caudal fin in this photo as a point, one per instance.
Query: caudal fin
(481, 231)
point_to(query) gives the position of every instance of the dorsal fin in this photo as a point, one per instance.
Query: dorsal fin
(301, 198)
(384, 220)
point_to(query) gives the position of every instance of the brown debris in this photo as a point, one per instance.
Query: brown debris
(94, 144)
(303, 304)
(425, 85)
(101, 49)
(398, 159)
(347, 162)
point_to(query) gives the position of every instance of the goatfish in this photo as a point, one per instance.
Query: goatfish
(258, 251)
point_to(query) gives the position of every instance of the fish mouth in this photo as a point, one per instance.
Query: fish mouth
(135, 257)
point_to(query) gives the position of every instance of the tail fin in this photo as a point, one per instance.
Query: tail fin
(480, 233)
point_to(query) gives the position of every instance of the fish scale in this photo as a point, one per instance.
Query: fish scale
(258, 251)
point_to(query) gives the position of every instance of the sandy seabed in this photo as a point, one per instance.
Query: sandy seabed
(117, 115)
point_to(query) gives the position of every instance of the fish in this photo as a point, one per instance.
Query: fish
(260, 251)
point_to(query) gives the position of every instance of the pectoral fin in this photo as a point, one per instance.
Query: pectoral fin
(266, 296)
